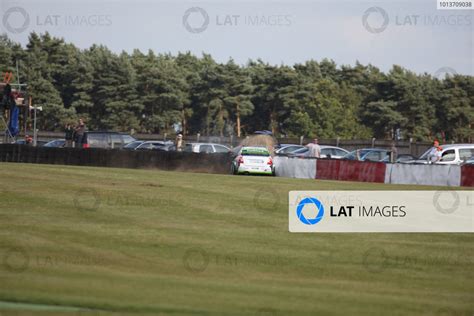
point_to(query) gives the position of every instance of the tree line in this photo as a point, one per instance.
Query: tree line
(162, 93)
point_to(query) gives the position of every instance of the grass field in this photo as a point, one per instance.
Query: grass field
(92, 241)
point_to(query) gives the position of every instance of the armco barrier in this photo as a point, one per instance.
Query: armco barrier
(348, 170)
(179, 161)
(295, 168)
(442, 175)
(467, 176)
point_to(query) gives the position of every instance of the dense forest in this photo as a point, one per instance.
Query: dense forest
(158, 93)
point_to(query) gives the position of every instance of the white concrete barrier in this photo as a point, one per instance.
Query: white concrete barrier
(441, 175)
(295, 167)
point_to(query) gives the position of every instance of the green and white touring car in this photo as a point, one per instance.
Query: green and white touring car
(253, 160)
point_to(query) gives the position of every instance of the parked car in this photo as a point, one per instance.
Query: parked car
(106, 140)
(253, 160)
(402, 158)
(264, 132)
(469, 162)
(56, 143)
(167, 147)
(208, 148)
(287, 149)
(451, 154)
(368, 154)
(39, 143)
(147, 145)
(332, 152)
(133, 145)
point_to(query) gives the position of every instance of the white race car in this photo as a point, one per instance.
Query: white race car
(253, 160)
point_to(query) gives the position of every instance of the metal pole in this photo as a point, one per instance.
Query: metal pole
(18, 76)
(34, 128)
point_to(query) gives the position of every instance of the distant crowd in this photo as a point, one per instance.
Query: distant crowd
(74, 134)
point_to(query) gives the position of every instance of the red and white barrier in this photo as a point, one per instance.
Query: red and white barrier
(295, 168)
(442, 175)
(347, 170)
(467, 176)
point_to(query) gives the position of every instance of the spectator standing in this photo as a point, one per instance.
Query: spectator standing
(79, 133)
(393, 153)
(68, 135)
(179, 142)
(435, 153)
(314, 149)
(28, 140)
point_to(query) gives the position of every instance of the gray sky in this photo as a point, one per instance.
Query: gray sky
(413, 34)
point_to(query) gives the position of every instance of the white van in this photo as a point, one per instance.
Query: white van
(452, 154)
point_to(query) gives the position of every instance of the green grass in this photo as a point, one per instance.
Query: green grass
(171, 243)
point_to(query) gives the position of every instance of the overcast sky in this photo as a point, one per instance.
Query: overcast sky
(413, 34)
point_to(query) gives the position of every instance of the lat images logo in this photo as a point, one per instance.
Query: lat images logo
(380, 211)
(309, 201)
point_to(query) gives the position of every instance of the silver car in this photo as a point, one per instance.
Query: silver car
(451, 154)
(288, 149)
(147, 145)
(332, 152)
(208, 148)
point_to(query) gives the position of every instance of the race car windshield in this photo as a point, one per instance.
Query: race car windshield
(255, 152)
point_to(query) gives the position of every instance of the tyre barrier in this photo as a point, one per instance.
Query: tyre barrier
(117, 158)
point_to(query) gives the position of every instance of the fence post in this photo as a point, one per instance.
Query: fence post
(337, 141)
(301, 140)
(373, 142)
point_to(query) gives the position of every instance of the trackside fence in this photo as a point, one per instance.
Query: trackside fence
(175, 161)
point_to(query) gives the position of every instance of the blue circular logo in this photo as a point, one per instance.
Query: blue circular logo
(310, 221)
